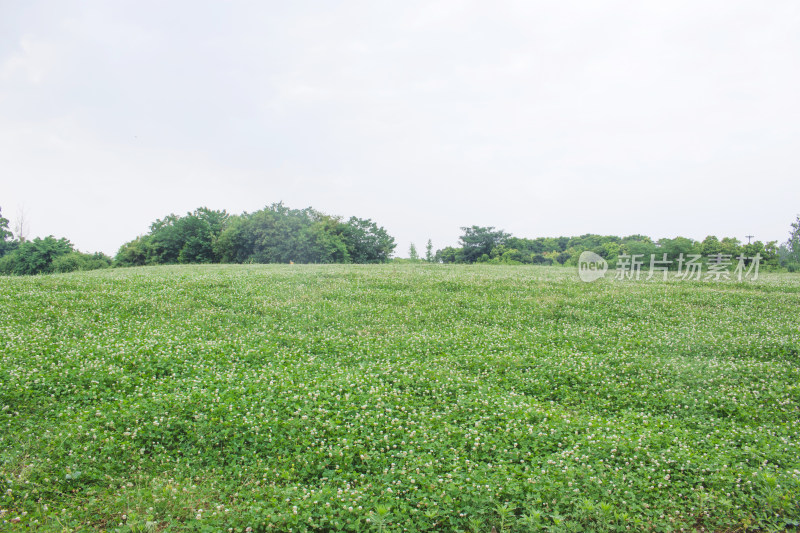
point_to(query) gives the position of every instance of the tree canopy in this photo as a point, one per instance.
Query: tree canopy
(279, 234)
(489, 245)
(47, 255)
(6, 238)
(275, 234)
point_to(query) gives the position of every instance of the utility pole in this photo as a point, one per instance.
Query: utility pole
(749, 237)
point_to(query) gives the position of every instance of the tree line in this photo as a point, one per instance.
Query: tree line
(479, 244)
(21, 256)
(278, 234)
(275, 234)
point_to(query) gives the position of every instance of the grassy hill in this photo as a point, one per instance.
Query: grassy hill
(416, 397)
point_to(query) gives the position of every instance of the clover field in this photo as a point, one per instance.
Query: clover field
(397, 398)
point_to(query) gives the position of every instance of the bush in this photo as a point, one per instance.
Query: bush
(275, 234)
(79, 261)
(35, 257)
(43, 256)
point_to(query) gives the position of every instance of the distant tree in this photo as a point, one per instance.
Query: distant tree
(236, 242)
(21, 225)
(5, 234)
(638, 245)
(323, 242)
(367, 242)
(526, 246)
(35, 257)
(549, 244)
(133, 253)
(512, 256)
(429, 251)
(187, 239)
(478, 241)
(587, 241)
(769, 252)
(277, 234)
(450, 254)
(710, 246)
(174, 239)
(165, 241)
(75, 260)
(6, 237)
(677, 246)
(540, 259)
(609, 250)
(793, 244)
(505, 255)
(412, 252)
(730, 246)
(68, 262)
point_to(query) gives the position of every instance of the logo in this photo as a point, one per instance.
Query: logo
(591, 266)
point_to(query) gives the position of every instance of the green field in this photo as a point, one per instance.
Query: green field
(397, 397)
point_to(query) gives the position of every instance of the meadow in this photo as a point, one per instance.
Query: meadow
(397, 398)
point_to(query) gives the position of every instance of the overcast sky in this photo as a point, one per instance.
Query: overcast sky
(541, 118)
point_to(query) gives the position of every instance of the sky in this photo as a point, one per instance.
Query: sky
(539, 118)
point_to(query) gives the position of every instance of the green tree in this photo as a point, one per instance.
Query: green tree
(277, 234)
(710, 246)
(5, 233)
(450, 254)
(771, 251)
(133, 253)
(638, 245)
(478, 241)
(768, 252)
(367, 242)
(35, 256)
(549, 244)
(412, 252)
(236, 242)
(6, 238)
(174, 239)
(730, 246)
(188, 239)
(526, 246)
(79, 261)
(609, 250)
(322, 242)
(429, 251)
(793, 244)
(165, 241)
(677, 246)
